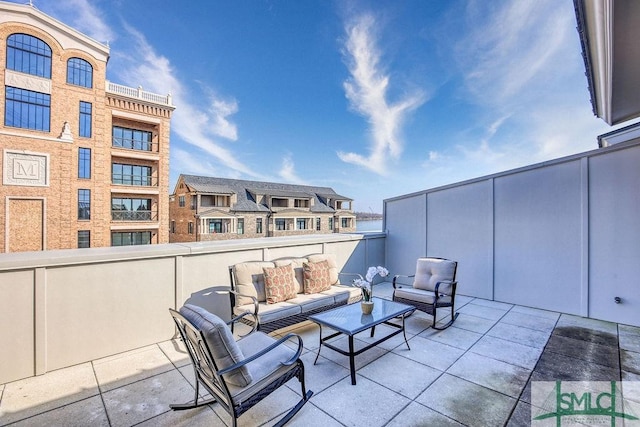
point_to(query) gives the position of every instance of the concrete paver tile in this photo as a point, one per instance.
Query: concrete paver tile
(34, 395)
(492, 304)
(199, 417)
(629, 338)
(507, 351)
(518, 334)
(147, 398)
(417, 415)
(176, 352)
(411, 378)
(453, 336)
(525, 320)
(311, 416)
(598, 325)
(474, 323)
(87, 412)
(431, 353)
(491, 373)
(482, 311)
(121, 369)
(466, 402)
(353, 404)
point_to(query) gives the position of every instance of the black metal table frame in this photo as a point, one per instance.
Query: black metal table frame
(351, 353)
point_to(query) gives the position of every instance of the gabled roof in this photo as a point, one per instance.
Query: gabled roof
(245, 191)
(334, 196)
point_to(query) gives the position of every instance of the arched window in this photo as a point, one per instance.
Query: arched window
(28, 54)
(79, 72)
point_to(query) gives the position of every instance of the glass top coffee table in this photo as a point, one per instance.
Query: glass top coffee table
(349, 320)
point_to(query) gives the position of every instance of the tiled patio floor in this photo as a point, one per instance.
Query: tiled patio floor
(476, 373)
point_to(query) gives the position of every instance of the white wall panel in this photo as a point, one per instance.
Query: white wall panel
(17, 317)
(538, 238)
(614, 222)
(405, 222)
(460, 227)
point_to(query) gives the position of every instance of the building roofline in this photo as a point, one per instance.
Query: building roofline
(579, 7)
(102, 49)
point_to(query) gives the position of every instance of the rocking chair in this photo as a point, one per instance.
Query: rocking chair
(238, 374)
(434, 286)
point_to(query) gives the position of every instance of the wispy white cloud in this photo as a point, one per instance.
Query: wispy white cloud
(220, 109)
(287, 171)
(188, 163)
(366, 91)
(510, 46)
(196, 125)
(520, 63)
(85, 17)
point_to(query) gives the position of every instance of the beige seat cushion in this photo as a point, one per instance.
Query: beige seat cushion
(264, 369)
(420, 295)
(312, 301)
(343, 294)
(220, 340)
(430, 271)
(249, 280)
(270, 312)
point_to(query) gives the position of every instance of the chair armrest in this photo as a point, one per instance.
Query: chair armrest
(453, 284)
(400, 275)
(266, 350)
(254, 300)
(246, 313)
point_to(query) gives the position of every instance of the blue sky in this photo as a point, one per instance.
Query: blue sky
(373, 98)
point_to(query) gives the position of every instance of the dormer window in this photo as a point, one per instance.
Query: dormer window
(277, 202)
(343, 205)
(301, 203)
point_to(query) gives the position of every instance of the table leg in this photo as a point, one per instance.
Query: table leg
(319, 344)
(404, 332)
(352, 363)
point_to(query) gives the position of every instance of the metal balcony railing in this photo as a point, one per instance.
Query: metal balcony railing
(133, 144)
(143, 181)
(134, 215)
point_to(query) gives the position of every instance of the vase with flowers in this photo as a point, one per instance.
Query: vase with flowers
(366, 287)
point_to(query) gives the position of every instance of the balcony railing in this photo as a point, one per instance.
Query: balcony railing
(134, 215)
(139, 93)
(137, 180)
(133, 144)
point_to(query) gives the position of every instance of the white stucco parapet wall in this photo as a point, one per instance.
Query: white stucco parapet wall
(21, 260)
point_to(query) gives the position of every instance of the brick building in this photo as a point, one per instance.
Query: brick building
(204, 208)
(85, 162)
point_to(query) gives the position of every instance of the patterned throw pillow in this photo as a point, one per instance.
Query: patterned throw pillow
(279, 284)
(316, 277)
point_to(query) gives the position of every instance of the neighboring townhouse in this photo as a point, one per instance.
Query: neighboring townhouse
(205, 208)
(85, 162)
